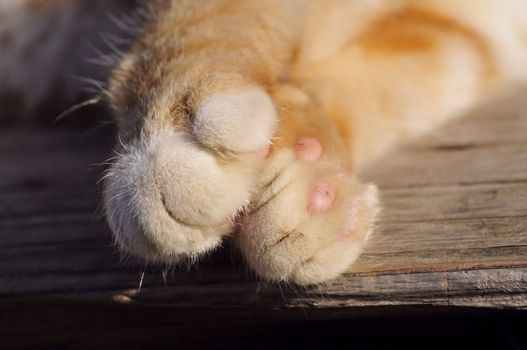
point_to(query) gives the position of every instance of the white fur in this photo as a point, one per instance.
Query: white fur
(242, 121)
(171, 196)
(136, 213)
(168, 197)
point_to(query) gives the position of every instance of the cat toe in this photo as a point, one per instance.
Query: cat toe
(242, 121)
(334, 256)
(168, 198)
(310, 222)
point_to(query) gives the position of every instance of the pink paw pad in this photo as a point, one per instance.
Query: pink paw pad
(322, 197)
(263, 152)
(308, 149)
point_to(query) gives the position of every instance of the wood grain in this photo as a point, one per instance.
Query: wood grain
(453, 230)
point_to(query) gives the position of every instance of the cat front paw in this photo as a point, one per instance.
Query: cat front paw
(311, 219)
(174, 192)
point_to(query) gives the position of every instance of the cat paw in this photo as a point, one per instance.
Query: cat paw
(174, 193)
(310, 220)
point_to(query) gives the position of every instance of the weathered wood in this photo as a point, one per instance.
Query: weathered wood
(453, 231)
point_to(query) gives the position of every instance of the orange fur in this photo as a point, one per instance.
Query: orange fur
(358, 76)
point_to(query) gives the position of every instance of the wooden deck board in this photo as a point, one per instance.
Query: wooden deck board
(453, 231)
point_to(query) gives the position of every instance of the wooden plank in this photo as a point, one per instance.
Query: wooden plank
(456, 202)
(438, 288)
(428, 167)
(453, 232)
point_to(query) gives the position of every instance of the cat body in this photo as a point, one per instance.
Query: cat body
(252, 119)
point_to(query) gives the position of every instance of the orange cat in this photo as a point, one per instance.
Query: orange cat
(252, 118)
(329, 85)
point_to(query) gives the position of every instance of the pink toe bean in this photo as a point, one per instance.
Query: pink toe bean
(263, 152)
(322, 197)
(308, 149)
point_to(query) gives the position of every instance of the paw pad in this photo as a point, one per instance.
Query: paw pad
(308, 149)
(263, 152)
(322, 197)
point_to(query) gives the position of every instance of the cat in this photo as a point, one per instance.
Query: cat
(253, 118)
